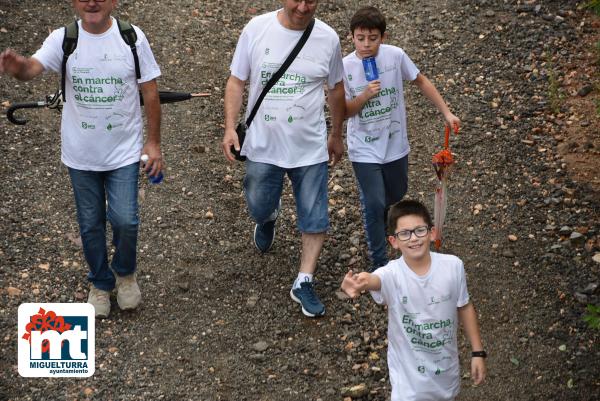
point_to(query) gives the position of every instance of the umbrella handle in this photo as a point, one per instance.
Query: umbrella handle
(11, 111)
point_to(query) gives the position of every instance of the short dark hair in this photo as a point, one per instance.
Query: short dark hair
(368, 18)
(407, 208)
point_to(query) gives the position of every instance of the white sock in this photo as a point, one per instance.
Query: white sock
(302, 277)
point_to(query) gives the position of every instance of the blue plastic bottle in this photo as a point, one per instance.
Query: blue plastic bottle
(370, 66)
(152, 179)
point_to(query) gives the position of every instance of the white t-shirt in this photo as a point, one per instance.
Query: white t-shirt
(377, 134)
(422, 326)
(102, 127)
(289, 128)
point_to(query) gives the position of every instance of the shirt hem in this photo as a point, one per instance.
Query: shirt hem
(76, 166)
(286, 165)
(363, 159)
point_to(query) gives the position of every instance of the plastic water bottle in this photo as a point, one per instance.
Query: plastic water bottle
(370, 67)
(153, 179)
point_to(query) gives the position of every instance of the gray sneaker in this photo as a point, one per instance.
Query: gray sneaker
(100, 300)
(129, 295)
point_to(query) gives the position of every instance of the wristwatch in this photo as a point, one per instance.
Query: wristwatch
(478, 354)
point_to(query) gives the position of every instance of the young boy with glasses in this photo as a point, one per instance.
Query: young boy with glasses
(377, 131)
(426, 294)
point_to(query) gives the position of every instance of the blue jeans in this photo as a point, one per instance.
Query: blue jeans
(114, 195)
(380, 186)
(263, 184)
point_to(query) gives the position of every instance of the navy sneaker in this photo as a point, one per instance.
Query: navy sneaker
(264, 236)
(306, 296)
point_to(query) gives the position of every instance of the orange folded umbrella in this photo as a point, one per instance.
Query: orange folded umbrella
(442, 163)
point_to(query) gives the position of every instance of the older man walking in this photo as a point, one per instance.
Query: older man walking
(102, 135)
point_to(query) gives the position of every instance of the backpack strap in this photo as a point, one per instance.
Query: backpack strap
(69, 45)
(130, 37)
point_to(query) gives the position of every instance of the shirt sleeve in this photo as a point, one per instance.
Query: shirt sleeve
(463, 293)
(408, 68)
(336, 67)
(240, 64)
(346, 84)
(149, 68)
(385, 295)
(50, 54)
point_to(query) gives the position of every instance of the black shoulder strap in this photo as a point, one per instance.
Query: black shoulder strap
(68, 46)
(275, 77)
(130, 37)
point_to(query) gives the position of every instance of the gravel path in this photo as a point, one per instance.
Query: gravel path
(217, 322)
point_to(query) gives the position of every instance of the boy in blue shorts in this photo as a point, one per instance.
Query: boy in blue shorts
(426, 294)
(377, 139)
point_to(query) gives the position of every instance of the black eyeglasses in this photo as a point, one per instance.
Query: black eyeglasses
(87, 1)
(420, 232)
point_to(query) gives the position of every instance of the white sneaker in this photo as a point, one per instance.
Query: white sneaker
(100, 300)
(129, 295)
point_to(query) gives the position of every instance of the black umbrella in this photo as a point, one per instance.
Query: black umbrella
(55, 102)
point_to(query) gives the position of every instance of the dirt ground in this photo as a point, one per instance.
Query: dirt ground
(217, 322)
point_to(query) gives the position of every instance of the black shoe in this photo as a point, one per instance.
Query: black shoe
(264, 236)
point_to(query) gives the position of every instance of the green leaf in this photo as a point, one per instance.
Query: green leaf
(592, 317)
(514, 360)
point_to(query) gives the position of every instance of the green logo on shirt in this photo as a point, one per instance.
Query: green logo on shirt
(369, 139)
(290, 119)
(86, 125)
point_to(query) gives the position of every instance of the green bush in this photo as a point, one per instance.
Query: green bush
(593, 5)
(592, 317)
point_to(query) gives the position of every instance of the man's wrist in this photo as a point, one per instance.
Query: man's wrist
(153, 142)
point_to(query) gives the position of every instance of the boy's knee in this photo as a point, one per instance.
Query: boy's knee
(375, 205)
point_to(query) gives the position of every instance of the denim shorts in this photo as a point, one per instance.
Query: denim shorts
(263, 185)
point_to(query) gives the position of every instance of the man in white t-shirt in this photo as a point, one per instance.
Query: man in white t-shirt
(102, 139)
(426, 294)
(377, 138)
(288, 134)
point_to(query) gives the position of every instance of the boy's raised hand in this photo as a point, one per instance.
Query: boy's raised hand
(350, 285)
(478, 370)
(353, 284)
